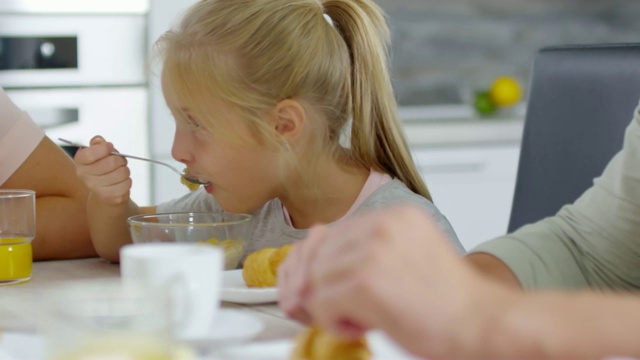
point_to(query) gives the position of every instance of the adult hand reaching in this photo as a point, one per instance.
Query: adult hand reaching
(393, 270)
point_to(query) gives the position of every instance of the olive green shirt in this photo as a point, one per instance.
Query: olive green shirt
(593, 242)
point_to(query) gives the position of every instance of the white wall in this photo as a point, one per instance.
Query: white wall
(163, 14)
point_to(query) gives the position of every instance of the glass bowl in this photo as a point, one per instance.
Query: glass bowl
(227, 230)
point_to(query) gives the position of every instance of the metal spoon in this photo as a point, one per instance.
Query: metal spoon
(191, 179)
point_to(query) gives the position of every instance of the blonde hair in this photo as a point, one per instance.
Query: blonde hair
(252, 54)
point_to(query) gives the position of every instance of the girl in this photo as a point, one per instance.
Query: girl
(285, 108)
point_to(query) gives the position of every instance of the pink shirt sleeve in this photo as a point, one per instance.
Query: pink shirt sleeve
(19, 136)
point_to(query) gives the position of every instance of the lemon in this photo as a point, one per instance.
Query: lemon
(505, 91)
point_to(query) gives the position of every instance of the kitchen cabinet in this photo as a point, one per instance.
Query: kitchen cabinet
(78, 68)
(472, 185)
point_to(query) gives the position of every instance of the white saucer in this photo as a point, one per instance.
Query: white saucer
(235, 290)
(230, 327)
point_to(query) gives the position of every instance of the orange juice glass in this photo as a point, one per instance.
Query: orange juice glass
(17, 229)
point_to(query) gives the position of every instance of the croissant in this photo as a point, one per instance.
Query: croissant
(261, 267)
(317, 344)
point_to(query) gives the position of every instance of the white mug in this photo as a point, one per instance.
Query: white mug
(190, 273)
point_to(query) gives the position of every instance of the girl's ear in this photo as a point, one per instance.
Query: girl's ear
(289, 119)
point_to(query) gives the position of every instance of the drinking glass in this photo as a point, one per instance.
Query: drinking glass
(106, 319)
(17, 230)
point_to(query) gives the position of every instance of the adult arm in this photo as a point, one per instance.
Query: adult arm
(562, 325)
(493, 267)
(61, 198)
(590, 243)
(394, 270)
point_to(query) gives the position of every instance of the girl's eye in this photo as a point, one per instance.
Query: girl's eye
(192, 121)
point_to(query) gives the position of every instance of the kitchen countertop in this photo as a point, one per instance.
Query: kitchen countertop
(463, 131)
(459, 124)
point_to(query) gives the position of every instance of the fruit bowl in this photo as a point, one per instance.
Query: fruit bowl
(227, 230)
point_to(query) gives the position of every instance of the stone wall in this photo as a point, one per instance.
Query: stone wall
(443, 49)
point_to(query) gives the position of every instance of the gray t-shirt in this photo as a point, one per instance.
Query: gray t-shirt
(271, 230)
(593, 242)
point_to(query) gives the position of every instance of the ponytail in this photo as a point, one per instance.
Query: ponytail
(254, 53)
(377, 136)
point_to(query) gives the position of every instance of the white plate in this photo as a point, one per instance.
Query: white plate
(21, 345)
(230, 327)
(382, 348)
(235, 290)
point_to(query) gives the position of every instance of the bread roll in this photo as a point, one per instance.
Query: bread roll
(317, 344)
(261, 267)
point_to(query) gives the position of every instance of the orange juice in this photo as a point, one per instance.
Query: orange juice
(15, 260)
(17, 229)
(12, 240)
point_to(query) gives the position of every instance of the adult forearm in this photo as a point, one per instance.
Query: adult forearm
(565, 326)
(491, 267)
(109, 228)
(62, 231)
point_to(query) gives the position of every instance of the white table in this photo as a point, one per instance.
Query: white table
(21, 305)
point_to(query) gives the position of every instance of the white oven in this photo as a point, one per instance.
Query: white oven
(72, 50)
(79, 69)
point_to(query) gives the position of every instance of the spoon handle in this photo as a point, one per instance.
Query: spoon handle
(68, 142)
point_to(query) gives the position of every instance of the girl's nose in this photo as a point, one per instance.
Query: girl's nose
(180, 149)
